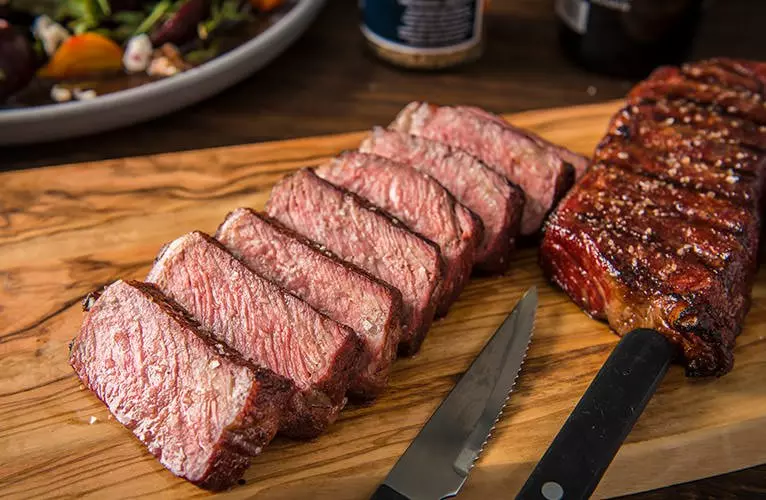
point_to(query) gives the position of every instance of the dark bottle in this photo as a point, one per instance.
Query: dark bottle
(627, 38)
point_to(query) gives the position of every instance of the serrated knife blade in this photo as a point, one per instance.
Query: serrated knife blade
(437, 462)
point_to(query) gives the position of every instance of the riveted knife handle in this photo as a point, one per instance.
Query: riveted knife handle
(387, 493)
(586, 444)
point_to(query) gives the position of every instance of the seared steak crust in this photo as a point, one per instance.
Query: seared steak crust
(365, 235)
(662, 232)
(669, 84)
(342, 291)
(267, 325)
(488, 194)
(197, 406)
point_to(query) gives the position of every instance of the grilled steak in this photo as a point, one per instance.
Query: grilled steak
(702, 121)
(721, 72)
(675, 149)
(525, 160)
(344, 292)
(197, 406)
(362, 234)
(267, 325)
(497, 202)
(420, 202)
(663, 231)
(669, 84)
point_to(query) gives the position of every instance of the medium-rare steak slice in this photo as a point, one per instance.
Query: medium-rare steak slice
(197, 406)
(497, 202)
(577, 161)
(422, 204)
(669, 84)
(341, 290)
(264, 323)
(539, 170)
(364, 235)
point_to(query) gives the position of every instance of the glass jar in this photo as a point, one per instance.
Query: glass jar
(627, 37)
(424, 34)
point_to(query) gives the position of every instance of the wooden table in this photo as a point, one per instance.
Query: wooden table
(328, 83)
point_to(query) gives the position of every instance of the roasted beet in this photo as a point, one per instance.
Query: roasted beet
(17, 60)
(182, 26)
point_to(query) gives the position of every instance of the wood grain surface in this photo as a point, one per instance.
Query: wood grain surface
(67, 230)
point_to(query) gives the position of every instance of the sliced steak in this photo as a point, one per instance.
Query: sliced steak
(196, 405)
(422, 204)
(577, 161)
(267, 325)
(539, 170)
(497, 202)
(364, 235)
(341, 290)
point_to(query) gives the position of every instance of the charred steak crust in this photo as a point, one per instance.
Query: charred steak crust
(662, 232)
(669, 84)
(422, 204)
(380, 324)
(253, 326)
(227, 450)
(489, 195)
(419, 302)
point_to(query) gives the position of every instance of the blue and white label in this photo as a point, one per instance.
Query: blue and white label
(422, 26)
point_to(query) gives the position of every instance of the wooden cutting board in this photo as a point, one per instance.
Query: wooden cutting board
(67, 230)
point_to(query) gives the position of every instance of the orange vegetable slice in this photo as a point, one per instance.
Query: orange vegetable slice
(83, 55)
(266, 5)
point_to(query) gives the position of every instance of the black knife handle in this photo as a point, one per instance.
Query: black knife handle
(387, 493)
(586, 444)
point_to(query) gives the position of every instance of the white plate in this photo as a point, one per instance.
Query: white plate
(126, 107)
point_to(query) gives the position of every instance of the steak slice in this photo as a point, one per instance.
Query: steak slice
(539, 170)
(577, 161)
(422, 204)
(497, 202)
(267, 325)
(341, 290)
(196, 405)
(669, 84)
(362, 234)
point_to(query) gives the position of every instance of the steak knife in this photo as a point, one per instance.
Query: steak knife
(437, 462)
(581, 452)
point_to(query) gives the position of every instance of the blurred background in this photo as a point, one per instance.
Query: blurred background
(329, 82)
